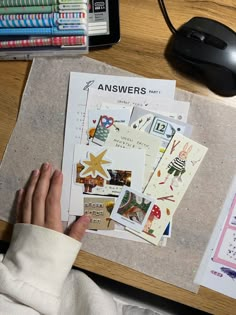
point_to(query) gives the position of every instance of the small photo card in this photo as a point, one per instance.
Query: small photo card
(100, 210)
(132, 209)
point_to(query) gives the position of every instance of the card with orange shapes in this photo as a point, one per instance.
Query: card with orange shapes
(169, 183)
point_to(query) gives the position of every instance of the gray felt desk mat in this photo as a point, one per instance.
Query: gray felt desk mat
(38, 137)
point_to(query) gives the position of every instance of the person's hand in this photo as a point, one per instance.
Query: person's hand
(39, 203)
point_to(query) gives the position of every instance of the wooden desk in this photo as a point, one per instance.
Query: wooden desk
(144, 35)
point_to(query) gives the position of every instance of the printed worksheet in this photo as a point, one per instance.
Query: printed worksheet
(79, 86)
(217, 270)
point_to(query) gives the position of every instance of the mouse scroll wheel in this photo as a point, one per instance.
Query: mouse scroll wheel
(208, 39)
(197, 35)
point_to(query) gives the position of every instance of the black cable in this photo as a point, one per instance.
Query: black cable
(166, 16)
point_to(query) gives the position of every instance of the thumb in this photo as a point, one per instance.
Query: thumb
(77, 229)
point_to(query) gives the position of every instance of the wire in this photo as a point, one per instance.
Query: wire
(166, 16)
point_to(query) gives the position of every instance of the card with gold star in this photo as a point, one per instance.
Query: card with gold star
(103, 171)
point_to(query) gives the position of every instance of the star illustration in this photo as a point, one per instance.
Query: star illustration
(94, 166)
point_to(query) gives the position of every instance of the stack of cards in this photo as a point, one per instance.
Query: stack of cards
(133, 157)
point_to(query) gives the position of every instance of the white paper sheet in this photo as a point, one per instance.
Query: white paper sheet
(79, 85)
(219, 275)
(118, 232)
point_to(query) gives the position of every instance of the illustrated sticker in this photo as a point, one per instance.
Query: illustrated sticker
(104, 118)
(95, 166)
(170, 181)
(132, 209)
(226, 249)
(105, 122)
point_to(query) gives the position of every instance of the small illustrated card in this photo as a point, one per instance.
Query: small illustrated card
(121, 136)
(170, 181)
(132, 209)
(100, 210)
(102, 171)
(226, 248)
(158, 125)
(111, 118)
(103, 120)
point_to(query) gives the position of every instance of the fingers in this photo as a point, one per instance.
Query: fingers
(53, 204)
(39, 203)
(40, 194)
(27, 202)
(19, 201)
(78, 228)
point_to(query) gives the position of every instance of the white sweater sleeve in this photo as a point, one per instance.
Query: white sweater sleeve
(34, 269)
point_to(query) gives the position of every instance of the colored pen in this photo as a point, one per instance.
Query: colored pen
(22, 3)
(43, 9)
(31, 9)
(25, 3)
(50, 21)
(50, 41)
(40, 16)
(52, 31)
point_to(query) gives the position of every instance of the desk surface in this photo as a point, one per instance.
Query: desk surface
(144, 35)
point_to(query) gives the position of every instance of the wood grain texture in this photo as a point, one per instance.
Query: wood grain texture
(13, 76)
(144, 36)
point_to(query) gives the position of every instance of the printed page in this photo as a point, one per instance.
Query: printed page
(79, 86)
(217, 270)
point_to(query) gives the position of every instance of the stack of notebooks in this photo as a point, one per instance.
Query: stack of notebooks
(37, 24)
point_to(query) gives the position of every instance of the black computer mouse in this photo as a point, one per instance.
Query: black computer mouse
(210, 48)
